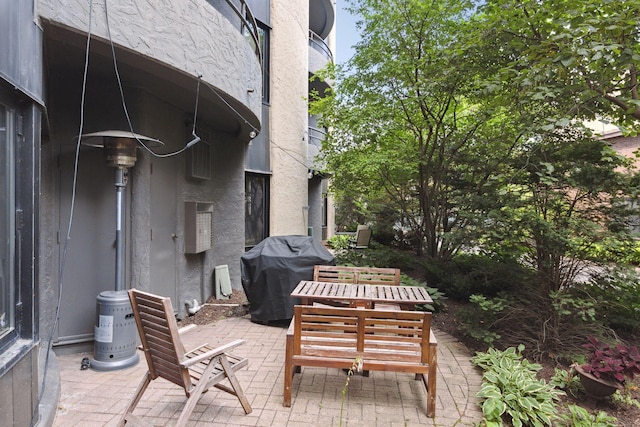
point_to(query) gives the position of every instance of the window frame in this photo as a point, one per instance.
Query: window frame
(264, 36)
(8, 334)
(259, 233)
(24, 127)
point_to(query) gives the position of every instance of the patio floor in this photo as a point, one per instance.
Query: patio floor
(91, 398)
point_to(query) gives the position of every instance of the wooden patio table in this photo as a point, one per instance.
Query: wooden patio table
(357, 295)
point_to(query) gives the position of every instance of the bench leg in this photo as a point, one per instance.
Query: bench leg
(430, 384)
(288, 371)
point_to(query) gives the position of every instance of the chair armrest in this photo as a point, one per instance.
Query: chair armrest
(187, 328)
(209, 354)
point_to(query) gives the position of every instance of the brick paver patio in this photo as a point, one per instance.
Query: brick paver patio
(91, 398)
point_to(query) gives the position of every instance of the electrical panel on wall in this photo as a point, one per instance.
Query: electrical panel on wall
(198, 227)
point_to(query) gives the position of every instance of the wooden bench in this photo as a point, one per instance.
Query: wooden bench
(358, 275)
(334, 337)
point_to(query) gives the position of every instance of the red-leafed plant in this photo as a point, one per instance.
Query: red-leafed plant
(612, 363)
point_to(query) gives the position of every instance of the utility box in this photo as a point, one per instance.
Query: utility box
(198, 227)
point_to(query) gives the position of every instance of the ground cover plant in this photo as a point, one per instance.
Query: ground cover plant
(511, 391)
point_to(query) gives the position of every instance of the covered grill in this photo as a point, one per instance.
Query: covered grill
(273, 268)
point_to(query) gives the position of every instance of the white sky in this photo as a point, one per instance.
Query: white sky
(346, 34)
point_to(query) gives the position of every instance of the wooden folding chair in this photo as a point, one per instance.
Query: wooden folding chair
(196, 371)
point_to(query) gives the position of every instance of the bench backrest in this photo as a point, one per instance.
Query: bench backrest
(374, 335)
(359, 275)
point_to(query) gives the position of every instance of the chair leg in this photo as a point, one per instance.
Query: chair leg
(228, 369)
(136, 398)
(196, 393)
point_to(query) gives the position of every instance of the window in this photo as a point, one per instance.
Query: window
(256, 209)
(7, 238)
(263, 36)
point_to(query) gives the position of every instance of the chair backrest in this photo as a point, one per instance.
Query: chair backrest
(160, 338)
(363, 236)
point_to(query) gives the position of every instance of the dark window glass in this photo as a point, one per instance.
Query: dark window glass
(7, 238)
(263, 35)
(256, 219)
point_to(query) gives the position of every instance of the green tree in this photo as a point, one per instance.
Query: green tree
(466, 125)
(579, 56)
(407, 128)
(565, 192)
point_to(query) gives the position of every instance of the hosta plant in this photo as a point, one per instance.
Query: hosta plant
(511, 392)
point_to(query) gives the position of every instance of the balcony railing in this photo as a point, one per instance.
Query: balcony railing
(248, 25)
(316, 136)
(320, 45)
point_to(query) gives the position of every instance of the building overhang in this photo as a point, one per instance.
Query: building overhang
(65, 59)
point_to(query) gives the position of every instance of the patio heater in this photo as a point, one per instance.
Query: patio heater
(115, 328)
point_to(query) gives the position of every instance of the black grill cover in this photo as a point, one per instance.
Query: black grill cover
(273, 268)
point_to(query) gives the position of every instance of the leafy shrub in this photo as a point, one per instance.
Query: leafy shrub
(434, 293)
(566, 381)
(339, 241)
(511, 391)
(470, 274)
(617, 293)
(614, 250)
(375, 256)
(580, 417)
(481, 316)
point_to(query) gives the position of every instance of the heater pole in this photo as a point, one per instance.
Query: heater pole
(120, 270)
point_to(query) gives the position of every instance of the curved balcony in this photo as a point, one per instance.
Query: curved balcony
(320, 45)
(239, 14)
(316, 136)
(322, 17)
(162, 49)
(319, 56)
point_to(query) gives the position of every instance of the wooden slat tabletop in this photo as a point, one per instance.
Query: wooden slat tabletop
(311, 291)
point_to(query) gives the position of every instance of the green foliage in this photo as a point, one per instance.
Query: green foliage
(437, 296)
(580, 417)
(616, 293)
(581, 56)
(623, 251)
(469, 274)
(624, 397)
(339, 241)
(375, 255)
(566, 185)
(570, 305)
(478, 320)
(565, 380)
(409, 137)
(510, 390)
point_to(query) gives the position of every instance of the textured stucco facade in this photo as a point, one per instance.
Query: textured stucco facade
(289, 118)
(190, 36)
(160, 53)
(147, 67)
